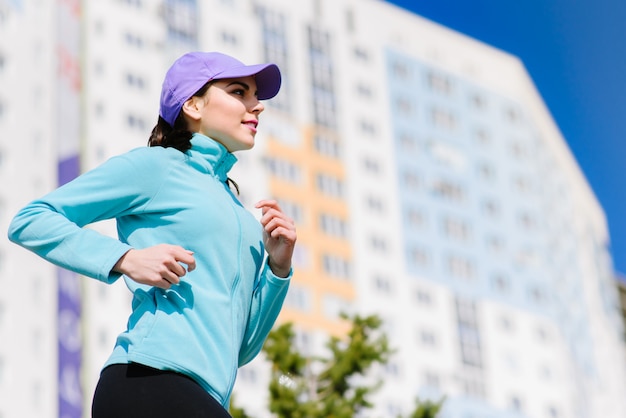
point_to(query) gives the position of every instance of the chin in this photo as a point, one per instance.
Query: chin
(242, 147)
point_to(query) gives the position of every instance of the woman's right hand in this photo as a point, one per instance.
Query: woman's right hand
(157, 266)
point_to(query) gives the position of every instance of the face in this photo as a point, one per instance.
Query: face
(229, 113)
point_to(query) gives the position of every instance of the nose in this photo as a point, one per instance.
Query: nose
(258, 107)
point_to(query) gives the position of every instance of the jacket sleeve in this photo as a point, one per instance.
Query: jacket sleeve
(267, 302)
(53, 226)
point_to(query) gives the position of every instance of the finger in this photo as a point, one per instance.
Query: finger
(285, 234)
(163, 283)
(186, 257)
(172, 277)
(266, 205)
(272, 215)
(191, 261)
(276, 222)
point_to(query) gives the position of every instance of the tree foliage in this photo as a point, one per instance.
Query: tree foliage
(335, 386)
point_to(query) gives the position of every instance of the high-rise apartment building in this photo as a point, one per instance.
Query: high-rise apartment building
(429, 185)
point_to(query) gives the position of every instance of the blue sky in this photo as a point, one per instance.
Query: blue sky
(575, 52)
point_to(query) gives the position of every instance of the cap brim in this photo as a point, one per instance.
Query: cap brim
(268, 78)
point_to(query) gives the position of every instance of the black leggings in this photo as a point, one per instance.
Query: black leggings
(136, 391)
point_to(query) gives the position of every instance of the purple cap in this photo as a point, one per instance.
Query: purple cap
(193, 70)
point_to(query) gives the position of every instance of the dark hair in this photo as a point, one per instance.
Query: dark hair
(178, 136)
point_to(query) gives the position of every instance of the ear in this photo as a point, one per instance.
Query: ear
(192, 108)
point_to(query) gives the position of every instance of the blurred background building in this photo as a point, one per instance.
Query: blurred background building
(428, 181)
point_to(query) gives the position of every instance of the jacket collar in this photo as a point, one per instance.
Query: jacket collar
(211, 156)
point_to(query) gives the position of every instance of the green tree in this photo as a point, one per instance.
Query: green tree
(426, 409)
(335, 386)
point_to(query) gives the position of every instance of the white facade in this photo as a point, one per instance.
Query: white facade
(471, 230)
(27, 169)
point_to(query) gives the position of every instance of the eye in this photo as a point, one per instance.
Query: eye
(239, 92)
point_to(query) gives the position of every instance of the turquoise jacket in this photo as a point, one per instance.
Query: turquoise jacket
(219, 315)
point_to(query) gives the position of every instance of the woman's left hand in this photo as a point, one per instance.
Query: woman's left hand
(279, 236)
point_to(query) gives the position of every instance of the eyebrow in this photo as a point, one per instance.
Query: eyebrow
(241, 83)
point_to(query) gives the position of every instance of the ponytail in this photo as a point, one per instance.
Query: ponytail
(178, 136)
(163, 135)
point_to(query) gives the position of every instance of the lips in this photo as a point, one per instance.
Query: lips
(252, 124)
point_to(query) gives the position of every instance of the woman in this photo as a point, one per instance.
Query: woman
(208, 280)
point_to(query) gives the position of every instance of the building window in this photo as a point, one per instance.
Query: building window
(361, 54)
(404, 106)
(334, 305)
(432, 380)
(327, 146)
(323, 94)
(181, 20)
(419, 257)
(491, 208)
(455, 229)
(367, 128)
(371, 165)
(134, 3)
(336, 266)
(382, 284)
(301, 257)
(133, 40)
(513, 115)
(506, 323)
(460, 267)
(333, 225)
(495, 244)
(103, 338)
(443, 119)
(522, 184)
(478, 101)
(553, 412)
(468, 332)
(423, 297)
(482, 136)
(136, 122)
(527, 221)
(408, 142)
(375, 204)
(411, 181)
(135, 81)
(427, 337)
(439, 83)
(542, 334)
(501, 283)
(248, 375)
(350, 25)
(330, 185)
(448, 190)
(364, 90)
(518, 150)
(229, 38)
(283, 169)
(292, 209)
(298, 298)
(415, 218)
(486, 172)
(400, 71)
(537, 295)
(378, 244)
(515, 403)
